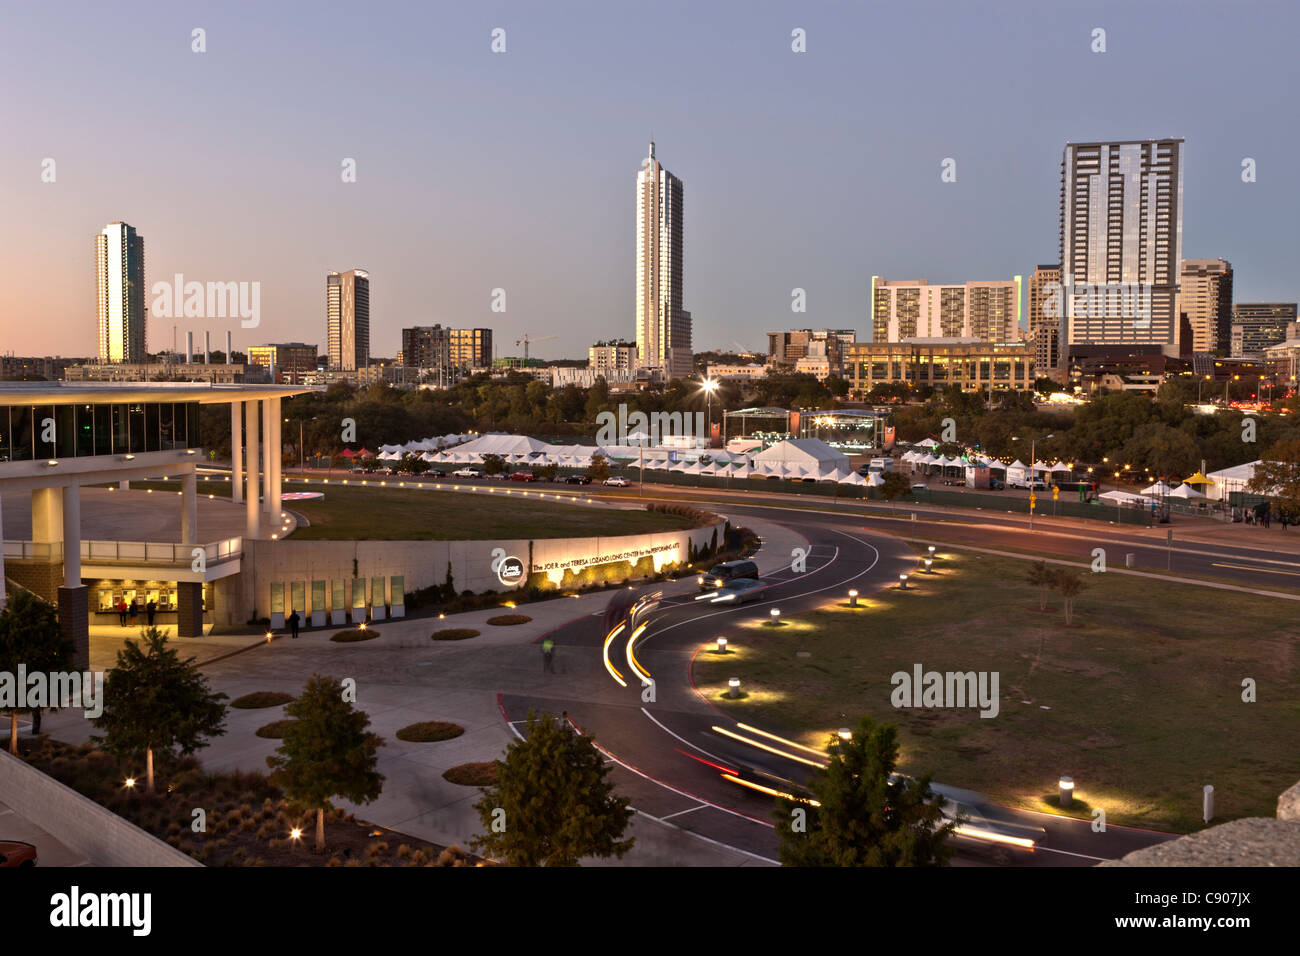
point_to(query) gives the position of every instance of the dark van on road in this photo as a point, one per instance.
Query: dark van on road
(720, 574)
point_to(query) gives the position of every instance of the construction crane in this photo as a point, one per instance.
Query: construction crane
(526, 341)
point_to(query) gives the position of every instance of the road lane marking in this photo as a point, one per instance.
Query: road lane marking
(1051, 849)
(1244, 567)
(698, 806)
(682, 739)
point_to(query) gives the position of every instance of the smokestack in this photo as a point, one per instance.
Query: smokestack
(189, 347)
(229, 359)
(207, 347)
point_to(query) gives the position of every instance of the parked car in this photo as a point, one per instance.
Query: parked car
(920, 486)
(617, 482)
(578, 480)
(467, 473)
(17, 853)
(996, 484)
(499, 476)
(718, 575)
(523, 476)
(384, 470)
(436, 473)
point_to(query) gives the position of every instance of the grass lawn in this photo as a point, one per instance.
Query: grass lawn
(351, 512)
(1144, 690)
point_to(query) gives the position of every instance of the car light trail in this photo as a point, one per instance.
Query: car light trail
(613, 671)
(990, 836)
(631, 658)
(791, 743)
(772, 750)
(772, 791)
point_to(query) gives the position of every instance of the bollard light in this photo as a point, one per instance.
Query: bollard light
(722, 645)
(902, 581)
(931, 550)
(130, 783)
(363, 625)
(776, 614)
(268, 637)
(441, 616)
(1207, 802)
(1066, 790)
(853, 598)
(295, 833)
(733, 686)
(845, 733)
(929, 569)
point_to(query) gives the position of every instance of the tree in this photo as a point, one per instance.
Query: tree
(598, 470)
(1043, 578)
(867, 815)
(326, 753)
(154, 701)
(1069, 583)
(552, 804)
(895, 485)
(493, 464)
(1278, 476)
(30, 636)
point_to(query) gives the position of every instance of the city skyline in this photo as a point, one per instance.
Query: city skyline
(443, 217)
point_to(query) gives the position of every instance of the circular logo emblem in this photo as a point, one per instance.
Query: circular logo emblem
(510, 571)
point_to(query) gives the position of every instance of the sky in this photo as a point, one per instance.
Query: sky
(478, 170)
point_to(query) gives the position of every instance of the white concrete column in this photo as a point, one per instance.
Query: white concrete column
(2, 554)
(252, 525)
(236, 451)
(277, 459)
(72, 536)
(268, 457)
(47, 516)
(189, 508)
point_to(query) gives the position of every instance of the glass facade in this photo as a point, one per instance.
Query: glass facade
(38, 432)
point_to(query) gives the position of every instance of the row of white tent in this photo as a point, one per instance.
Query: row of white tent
(395, 452)
(918, 459)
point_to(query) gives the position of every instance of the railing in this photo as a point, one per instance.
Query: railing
(128, 552)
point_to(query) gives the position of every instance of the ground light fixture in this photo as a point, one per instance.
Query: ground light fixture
(902, 581)
(733, 687)
(845, 733)
(130, 783)
(932, 551)
(929, 563)
(268, 637)
(722, 645)
(853, 597)
(1066, 789)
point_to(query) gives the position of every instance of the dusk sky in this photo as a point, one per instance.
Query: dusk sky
(517, 170)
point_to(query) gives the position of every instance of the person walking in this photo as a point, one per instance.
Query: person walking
(293, 624)
(150, 610)
(548, 656)
(121, 611)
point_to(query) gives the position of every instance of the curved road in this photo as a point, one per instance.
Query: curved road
(675, 752)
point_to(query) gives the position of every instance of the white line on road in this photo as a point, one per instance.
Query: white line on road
(683, 739)
(698, 806)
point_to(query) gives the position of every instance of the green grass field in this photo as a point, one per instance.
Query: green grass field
(1144, 690)
(352, 512)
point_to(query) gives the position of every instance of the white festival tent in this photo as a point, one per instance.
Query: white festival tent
(1185, 492)
(1123, 497)
(1017, 471)
(1229, 480)
(810, 454)
(1157, 490)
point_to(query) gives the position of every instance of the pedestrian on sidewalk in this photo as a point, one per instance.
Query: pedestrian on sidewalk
(133, 611)
(150, 610)
(548, 656)
(121, 611)
(293, 624)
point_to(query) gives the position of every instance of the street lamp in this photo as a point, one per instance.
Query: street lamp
(1032, 443)
(710, 386)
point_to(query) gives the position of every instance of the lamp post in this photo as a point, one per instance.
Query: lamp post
(1032, 443)
(710, 386)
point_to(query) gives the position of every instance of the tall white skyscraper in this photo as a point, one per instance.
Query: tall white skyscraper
(663, 327)
(119, 278)
(1121, 242)
(347, 319)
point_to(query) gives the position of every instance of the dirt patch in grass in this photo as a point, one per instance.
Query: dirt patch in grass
(275, 729)
(483, 774)
(505, 620)
(354, 634)
(261, 698)
(429, 731)
(454, 634)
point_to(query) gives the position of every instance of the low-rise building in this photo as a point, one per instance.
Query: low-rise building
(287, 362)
(969, 363)
(216, 374)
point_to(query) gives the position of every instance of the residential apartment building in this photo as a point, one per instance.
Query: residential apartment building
(988, 311)
(608, 358)
(969, 363)
(287, 362)
(435, 347)
(1205, 304)
(827, 345)
(1046, 328)
(119, 281)
(1121, 242)
(663, 327)
(347, 319)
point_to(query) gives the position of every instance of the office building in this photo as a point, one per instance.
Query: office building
(119, 277)
(989, 311)
(825, 346)
(435, 347)
(971, 364)
(347, 313)
(663, 327)
(610, 358)
(1205, 304)
(1121, 242)
(1045, 325)
(287, 362)
(1258, 325)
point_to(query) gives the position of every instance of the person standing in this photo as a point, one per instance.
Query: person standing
(150, 610)
(293, 624)
(548, 656)
(121, 611)
(133, 611)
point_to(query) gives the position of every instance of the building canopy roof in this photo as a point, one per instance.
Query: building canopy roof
(107, 393)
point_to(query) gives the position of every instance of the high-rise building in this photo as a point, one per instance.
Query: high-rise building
(663, 327)
(1044, 322)
(1258, 325)
(989, 311)
(347, 316)
(1121, 242)
(119, 274)
(1205, 304)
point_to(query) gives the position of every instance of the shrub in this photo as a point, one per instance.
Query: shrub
(483, 774)
(275, 729)
(355, 634)
(505, 620)
(260, 699)
(429, 731)
(454, 634)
